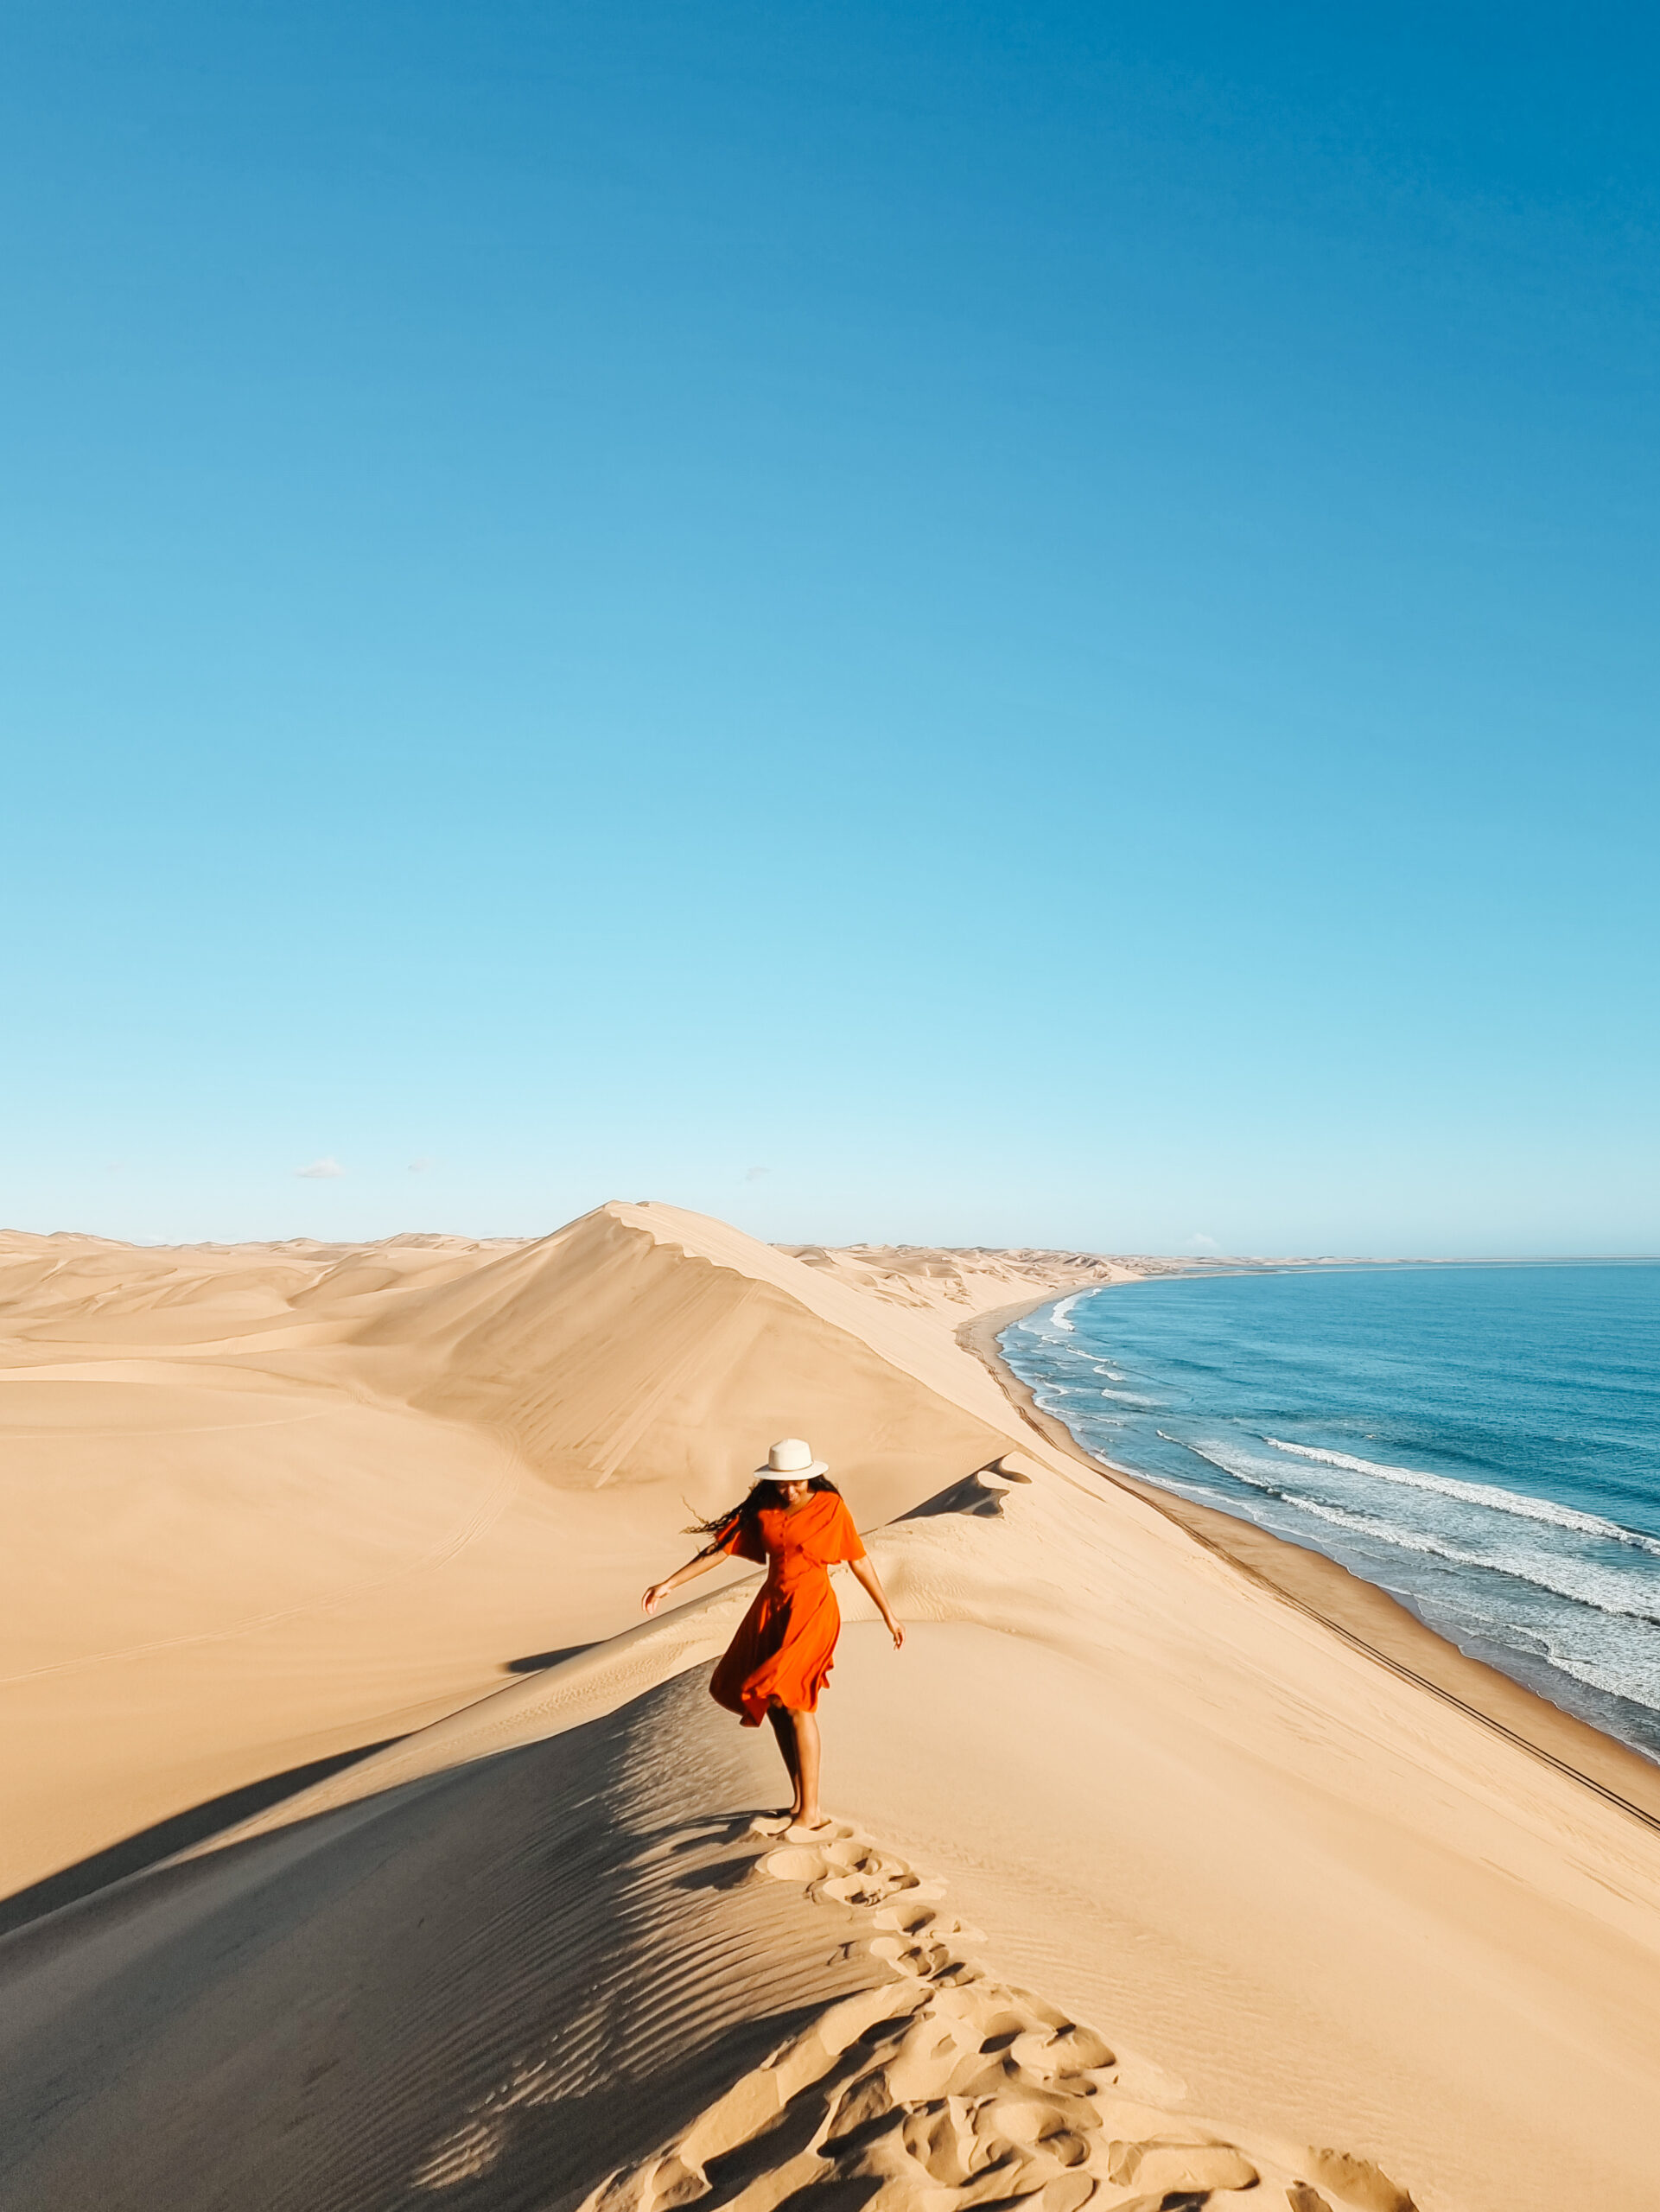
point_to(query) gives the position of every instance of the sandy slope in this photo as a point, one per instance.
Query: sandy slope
(271, 1503)
(266, 1504)
(573, 1972)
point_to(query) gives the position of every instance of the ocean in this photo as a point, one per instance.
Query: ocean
(1482, 1442)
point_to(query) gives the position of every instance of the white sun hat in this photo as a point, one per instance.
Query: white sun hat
(792, 1461)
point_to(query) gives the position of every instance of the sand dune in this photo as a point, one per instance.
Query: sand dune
(640, 1344)
(1263, 1920)
(937, 1279)
(535, 1963)
(628, 1999)
(269, 1504)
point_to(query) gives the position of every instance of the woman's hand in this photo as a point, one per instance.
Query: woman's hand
(865, 1574)
(711, 1555)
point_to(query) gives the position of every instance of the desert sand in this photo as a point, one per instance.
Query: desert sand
(364, 1847)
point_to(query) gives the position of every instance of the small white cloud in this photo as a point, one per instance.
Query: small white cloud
(321, 1171)
(755, 1174)
(420, 1166)
(1202, 1244)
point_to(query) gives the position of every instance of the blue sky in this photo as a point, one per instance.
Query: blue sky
(1007, 624)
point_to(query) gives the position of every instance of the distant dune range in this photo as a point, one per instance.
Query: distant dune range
(364, 1848)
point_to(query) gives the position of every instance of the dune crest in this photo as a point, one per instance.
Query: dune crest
(642, 1342)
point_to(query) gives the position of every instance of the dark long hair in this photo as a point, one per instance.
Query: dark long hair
(766, 1494)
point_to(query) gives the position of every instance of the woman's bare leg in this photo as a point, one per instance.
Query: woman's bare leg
(805, 1726)
(784, 1730)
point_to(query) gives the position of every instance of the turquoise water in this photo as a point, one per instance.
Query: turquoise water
(1483, 1442)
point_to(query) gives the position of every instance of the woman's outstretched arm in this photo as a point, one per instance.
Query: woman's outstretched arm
(701, 1565)
(872, 1582)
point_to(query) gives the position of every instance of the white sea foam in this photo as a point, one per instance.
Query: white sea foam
(1495, 1568)
(1584, 1582)
(1617, 1677)
(1057, 1314)
(1581, 1583)
(1484, 1494)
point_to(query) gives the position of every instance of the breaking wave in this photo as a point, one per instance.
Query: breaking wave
(1514, 1502)
(1483, 1494)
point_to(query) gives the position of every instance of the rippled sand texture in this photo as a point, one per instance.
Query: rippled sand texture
(956, 2089)
(1262, 1919)
(575, 1974)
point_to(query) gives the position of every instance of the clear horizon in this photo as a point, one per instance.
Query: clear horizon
(951, 627)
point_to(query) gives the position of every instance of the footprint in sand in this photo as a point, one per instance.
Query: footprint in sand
(945, 2089)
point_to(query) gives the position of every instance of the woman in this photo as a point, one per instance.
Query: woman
(795, 1522)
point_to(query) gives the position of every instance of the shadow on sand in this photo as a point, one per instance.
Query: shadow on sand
(149, 1846)
(534, 1662)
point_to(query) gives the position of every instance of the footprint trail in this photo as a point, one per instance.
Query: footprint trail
(945, 2088)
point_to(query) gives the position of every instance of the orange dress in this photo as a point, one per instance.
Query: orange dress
(782, 1652)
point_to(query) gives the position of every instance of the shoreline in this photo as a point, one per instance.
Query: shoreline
(1362, 1614)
